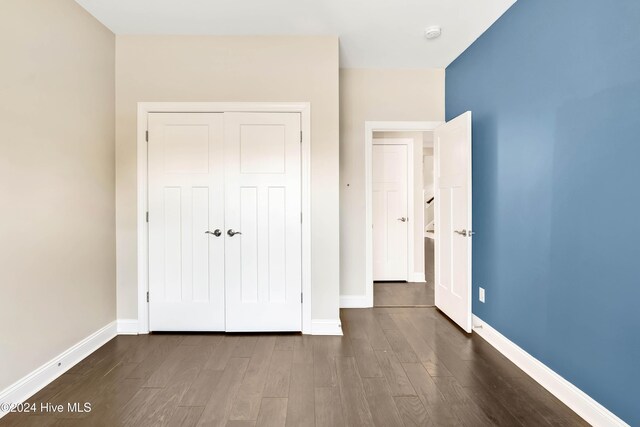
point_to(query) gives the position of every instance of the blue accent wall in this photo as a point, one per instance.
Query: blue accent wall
(554, 87)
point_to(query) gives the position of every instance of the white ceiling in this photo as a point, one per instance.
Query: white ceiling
(373, 33)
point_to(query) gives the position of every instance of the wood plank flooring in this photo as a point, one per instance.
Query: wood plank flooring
(403, 294)
(393, 367)
(429, 260)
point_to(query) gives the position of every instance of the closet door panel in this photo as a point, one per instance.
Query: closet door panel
(186, 199)
(263, 203)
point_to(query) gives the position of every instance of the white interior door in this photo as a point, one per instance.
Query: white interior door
(263, 206)
(452, 157)
(390, 212)
(186, 264)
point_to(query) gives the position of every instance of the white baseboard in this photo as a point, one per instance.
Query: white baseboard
(128, 327)
(33, 382)
(326, 327)
(354, 301)
(418, 277)
(581, 403)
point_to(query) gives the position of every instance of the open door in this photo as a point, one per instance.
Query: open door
(453, 233)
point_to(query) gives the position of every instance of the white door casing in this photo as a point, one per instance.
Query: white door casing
(371, 127)
(452, 172)
(390, 211)
(186, 265)
(263, 203)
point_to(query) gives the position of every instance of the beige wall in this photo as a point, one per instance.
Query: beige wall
(374, 95)
(57, 226)
(210, 68)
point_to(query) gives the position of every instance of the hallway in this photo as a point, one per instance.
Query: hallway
(393, 367)
(407, 294)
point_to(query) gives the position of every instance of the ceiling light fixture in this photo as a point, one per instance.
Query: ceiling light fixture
(432, 32)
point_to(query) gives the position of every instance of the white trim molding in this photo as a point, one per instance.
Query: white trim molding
(581, 403)
(371, 127)
(33, 382)
(354, 301)
(144, 108)
(418, 277)
(326, 327)
(128, 327)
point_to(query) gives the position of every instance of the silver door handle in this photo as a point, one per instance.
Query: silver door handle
(403, 219)
(216, 232)
(232, 233)
(465, 233)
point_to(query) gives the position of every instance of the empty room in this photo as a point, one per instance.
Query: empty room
(319, 213)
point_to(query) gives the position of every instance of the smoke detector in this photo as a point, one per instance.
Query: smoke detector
(432, 32)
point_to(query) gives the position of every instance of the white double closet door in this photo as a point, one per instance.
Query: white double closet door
(224, 222)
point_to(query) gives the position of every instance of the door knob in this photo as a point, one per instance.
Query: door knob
(403, 219)
(232, 233)
(216, 232)
(464, 233)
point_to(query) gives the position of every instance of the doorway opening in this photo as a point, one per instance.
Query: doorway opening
(403, 258)
(389, 226)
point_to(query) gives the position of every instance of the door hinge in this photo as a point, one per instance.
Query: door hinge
(301, 297)
(147, 216)
(300, 217)
(300, 137)
(147, 296)
(146, 136)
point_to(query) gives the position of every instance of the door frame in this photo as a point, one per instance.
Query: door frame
(410, 143)
(370, 128)
(142, 231)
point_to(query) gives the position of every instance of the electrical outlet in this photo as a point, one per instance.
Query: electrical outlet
(481, 295)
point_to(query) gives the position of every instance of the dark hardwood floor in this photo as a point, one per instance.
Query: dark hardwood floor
(393, 367)
(429, 260)
(403, 294)
(407, 294)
